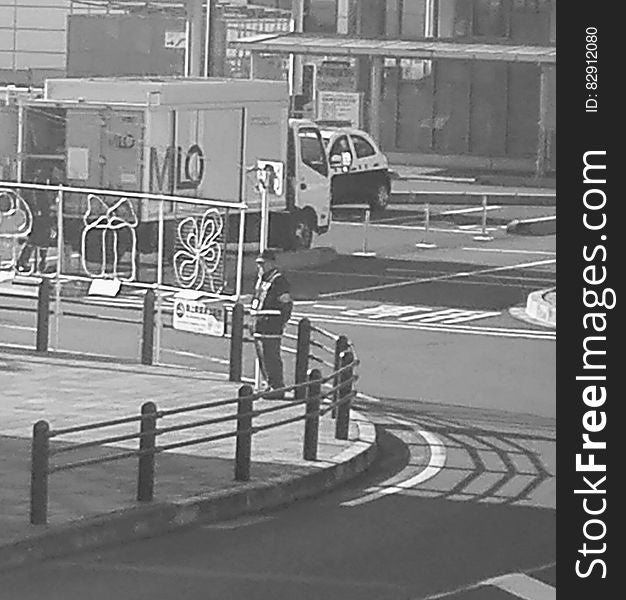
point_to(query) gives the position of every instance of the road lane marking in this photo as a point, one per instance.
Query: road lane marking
(524, 587)
(18, 327)
(537, 334)
(474, 586)
(448, 276)
(460, 211)
(443, 315)
(484, 315)
(435, 464)
(506, 251)
(220, 361)
(330, 306)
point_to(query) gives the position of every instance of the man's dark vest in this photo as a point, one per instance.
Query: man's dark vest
(266, 307)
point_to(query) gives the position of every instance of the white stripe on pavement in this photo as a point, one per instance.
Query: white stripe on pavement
(532, 334)
(524, 587)
(441, 315)
(435, 464)
(509, 251)
(460, 211)
(448, 276)
(482, 315)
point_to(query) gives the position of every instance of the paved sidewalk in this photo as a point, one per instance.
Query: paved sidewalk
(70, 392)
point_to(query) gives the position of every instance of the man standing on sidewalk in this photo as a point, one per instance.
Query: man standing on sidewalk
(271, 309)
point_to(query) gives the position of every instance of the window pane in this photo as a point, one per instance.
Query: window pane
(490, 18)
(362, 147)
(312, 150)
(340, 145)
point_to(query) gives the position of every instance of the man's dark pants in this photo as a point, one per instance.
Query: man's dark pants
(268, 350)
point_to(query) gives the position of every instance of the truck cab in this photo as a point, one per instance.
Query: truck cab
(308, 182)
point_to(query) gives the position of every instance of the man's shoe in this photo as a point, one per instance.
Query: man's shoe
(272, 395)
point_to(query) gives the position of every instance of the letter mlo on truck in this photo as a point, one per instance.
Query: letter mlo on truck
(199, 138)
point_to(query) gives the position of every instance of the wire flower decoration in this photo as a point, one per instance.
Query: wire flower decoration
(112, 220)
(200, 255)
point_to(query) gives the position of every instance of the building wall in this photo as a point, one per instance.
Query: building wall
(33, 38)
(471, 108)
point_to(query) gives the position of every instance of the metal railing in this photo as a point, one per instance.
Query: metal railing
(483, 235)
(316, 392)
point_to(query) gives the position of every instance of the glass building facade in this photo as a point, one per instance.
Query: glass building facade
(453, 107)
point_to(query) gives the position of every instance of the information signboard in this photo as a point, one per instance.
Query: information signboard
(339, 106)
(198, 316)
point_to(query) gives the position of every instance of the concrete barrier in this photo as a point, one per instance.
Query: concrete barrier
(541, 308)
(538, 226)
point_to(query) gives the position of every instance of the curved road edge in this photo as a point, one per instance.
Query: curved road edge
(156, 519)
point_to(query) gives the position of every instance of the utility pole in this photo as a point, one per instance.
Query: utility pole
(195, 35)
(297, 14)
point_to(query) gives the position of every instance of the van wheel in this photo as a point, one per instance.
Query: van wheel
(380, 197)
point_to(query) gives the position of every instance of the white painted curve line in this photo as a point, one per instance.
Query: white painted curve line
(435, 464)
(448, 276)
(524, 587)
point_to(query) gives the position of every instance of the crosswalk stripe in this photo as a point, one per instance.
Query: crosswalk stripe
(524, 587)
(437, 315)
(482, 315)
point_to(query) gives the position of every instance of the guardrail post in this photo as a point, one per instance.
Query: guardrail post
(366, 227)
(147, 332)
(39, 473)
(43, 315)
(244, 434)
(303, 350)
(312, 415)
(147, 443)
(236, 343)
(484, 237)
(342, 424)
(341, 345)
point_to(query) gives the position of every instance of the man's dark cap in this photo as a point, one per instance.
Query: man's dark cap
(266, 255)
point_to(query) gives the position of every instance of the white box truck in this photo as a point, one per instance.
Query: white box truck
(200, 138)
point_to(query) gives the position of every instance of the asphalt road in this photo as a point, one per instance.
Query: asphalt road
(464, 488)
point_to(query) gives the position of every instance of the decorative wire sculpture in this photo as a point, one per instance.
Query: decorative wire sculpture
(104, 220)
(195, 264)
(16, 222)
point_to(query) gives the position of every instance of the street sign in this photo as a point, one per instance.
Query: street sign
(339, 106)
(270, 174)
(198, 316)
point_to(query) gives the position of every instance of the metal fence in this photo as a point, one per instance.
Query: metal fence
(317, 393)
(144, 240)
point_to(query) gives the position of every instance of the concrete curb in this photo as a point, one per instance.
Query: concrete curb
(155, 519)
(541, 310)
(538, 226)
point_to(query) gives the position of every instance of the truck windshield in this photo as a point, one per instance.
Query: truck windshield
(312, 150)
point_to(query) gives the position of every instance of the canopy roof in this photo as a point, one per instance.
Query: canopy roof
(297, 43)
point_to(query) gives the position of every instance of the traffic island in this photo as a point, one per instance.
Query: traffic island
(540, 308)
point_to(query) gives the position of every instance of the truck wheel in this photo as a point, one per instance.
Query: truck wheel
(380, 197)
